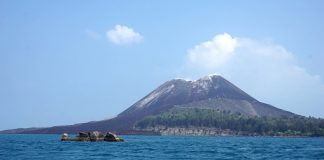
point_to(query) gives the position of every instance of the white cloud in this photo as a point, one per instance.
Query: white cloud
(122, 35)
(266, 70)
(213, 53)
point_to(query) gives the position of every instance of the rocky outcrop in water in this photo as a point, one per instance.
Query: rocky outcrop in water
(93, 136)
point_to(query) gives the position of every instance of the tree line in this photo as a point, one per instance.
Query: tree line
(271, 126)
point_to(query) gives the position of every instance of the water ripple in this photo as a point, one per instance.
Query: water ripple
(161, 147)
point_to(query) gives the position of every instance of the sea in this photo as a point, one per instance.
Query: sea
(48, 147)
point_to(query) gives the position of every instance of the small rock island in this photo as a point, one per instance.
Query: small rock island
(93, 136)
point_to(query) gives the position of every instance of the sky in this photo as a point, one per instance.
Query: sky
(66, 62)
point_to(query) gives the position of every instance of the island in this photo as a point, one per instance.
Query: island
(209, 106)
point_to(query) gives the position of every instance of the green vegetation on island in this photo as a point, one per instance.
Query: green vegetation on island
(226, 120)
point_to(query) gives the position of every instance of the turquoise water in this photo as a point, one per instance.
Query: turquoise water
(161, 147)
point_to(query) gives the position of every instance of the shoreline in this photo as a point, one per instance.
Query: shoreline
(214, 132)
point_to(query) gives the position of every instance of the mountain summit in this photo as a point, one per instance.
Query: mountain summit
(210, 92)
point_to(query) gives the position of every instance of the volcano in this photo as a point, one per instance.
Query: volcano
(211, 92)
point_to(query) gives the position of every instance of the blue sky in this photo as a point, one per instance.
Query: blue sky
(65, 62)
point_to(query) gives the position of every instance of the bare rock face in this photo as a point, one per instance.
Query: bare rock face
(111, 137)
(96, 136)
(65, 137)
(197, 131)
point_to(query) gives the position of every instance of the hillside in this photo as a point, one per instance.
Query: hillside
(214, 122)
